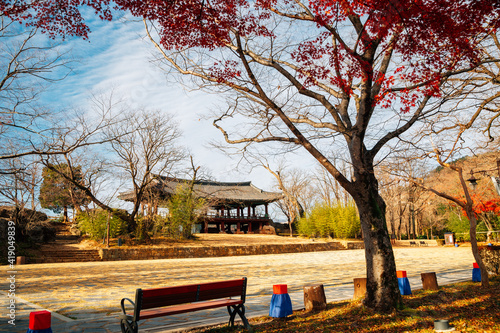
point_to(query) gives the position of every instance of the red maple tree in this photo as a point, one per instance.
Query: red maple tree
(306, 72)
(486, 210)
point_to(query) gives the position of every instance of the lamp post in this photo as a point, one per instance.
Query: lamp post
(496, 180)
(472, 180)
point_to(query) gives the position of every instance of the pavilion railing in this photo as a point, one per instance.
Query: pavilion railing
(235, 217)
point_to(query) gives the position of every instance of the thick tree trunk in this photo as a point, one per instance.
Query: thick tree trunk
(475, 250)
(382, 291)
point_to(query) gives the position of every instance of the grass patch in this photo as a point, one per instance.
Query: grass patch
(467, 306)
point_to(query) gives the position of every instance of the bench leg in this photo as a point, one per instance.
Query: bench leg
(129, 326)
(240, 310)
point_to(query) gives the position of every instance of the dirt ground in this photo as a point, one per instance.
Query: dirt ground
(213, 240)
(250, 239)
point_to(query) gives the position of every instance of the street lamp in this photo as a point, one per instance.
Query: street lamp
(496, 180)
(472, 180)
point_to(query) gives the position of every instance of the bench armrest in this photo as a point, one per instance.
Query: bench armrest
(122, 305)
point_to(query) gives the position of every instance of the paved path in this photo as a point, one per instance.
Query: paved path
(84, 297)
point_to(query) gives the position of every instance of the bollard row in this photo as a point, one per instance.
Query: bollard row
(429, 282)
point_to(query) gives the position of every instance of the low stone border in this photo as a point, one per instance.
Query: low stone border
(219, 251)
(350, 245)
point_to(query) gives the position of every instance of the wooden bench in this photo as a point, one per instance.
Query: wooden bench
(413, 243)
(423, 243)
(159, 302)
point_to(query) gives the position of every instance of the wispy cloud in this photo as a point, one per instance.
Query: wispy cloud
(118, 58)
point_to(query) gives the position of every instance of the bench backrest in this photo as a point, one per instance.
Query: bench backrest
(159, 297)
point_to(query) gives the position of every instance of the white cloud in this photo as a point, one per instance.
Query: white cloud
(118, 57)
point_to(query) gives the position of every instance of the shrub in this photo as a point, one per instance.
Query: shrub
(94, 223)
(460, 225)
(163, 226)
(184, 212)
(340, 221)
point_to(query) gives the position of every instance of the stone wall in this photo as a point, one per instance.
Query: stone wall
(352, 245)
(118, 253)
(491, 258)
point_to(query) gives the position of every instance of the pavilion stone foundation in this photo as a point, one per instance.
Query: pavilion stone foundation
(223, 251)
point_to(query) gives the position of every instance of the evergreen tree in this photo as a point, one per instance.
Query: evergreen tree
(58, 194)
(184, 209)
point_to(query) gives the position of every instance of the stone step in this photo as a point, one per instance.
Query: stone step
(68, 253)
(77, 256)
(56, 260)
(65, 255)
(68, 236)
(60, 249)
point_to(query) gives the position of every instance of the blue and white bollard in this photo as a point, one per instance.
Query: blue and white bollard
(476, 273)
(404, 284)
(281, 304)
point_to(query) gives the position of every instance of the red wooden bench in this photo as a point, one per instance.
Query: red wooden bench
(159, 302)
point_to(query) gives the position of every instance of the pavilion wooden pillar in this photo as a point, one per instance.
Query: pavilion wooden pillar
(206, 227)
(267, 213)
(238, 214)
(248, 211)
(222, 227)
(249, 226)
(253, 211)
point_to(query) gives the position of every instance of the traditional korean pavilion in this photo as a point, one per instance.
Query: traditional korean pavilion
(233, 206)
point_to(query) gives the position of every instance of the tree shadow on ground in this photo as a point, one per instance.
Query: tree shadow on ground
(467, 306)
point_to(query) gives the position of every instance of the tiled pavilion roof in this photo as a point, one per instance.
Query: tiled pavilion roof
(219, 193)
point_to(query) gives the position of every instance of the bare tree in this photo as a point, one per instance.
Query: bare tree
(475, 94)
(85, 181)
(327, 90)
(19, 188)
(294, 185)
(405, 202)
(139, 144)
(145, 145)
(466, 204)
(80, 141)
(28, 64)
(392, 191)
(329, 189)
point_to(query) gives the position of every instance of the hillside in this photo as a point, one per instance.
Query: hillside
(483, 166)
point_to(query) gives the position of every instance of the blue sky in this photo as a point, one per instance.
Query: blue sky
(117, 57)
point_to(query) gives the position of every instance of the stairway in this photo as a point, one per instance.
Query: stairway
(65, 248)
(65, 255)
